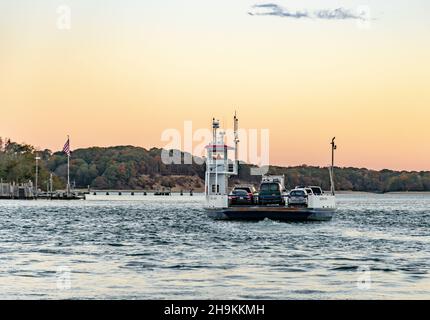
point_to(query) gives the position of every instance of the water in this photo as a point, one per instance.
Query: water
(376, 247)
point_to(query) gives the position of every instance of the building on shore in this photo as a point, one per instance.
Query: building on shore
(16, 191)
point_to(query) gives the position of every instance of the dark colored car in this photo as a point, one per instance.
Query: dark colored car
(271, 193)
(250, 189)
(240, 197)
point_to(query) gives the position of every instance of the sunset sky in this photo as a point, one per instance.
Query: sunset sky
(129, 69)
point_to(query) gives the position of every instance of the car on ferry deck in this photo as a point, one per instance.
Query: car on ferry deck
(240, 197)
(250, 189)
(316, 190)
(309, 191)
(271, 193)
(298, 197)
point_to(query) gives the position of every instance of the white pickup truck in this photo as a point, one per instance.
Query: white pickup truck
(311, 197)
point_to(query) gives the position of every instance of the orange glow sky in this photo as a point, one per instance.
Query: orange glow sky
(128, 70)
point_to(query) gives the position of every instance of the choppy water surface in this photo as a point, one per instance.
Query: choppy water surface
(377, 246)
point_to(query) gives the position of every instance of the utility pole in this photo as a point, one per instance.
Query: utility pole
(333, 148)
(37, 176)
(236, 143)
(66, 150)
(68, 168)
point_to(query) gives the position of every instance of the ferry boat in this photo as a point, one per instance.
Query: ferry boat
(318, 206)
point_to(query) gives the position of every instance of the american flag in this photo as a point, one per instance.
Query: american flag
(66, 148)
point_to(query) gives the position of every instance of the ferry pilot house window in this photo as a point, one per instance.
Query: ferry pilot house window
(215, 189)
(218, 156)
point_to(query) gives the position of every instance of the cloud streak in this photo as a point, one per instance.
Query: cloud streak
(273, 9)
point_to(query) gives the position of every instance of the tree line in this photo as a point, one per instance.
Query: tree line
(132, 168)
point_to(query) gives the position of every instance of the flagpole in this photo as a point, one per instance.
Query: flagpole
(36, 189)
(68, 168)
